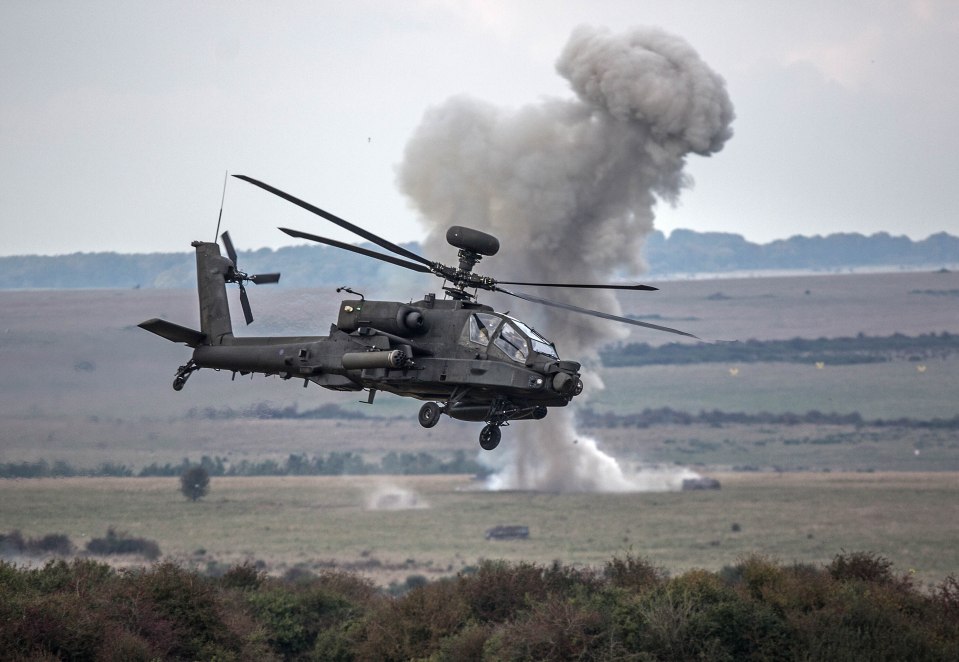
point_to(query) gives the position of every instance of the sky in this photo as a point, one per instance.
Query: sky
(119, 120)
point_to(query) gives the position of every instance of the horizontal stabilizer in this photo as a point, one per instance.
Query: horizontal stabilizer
(173, 332)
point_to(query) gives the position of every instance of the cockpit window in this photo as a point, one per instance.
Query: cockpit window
(482, 327)
(514, 338)
(540, 344)
(513, 343)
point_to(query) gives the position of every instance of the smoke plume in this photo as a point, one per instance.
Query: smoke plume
(569, 187)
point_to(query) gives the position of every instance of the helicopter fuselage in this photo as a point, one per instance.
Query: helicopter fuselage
(465, 359)
(458, 352)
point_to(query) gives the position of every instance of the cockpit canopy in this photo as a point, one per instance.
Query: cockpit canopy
(509, 335)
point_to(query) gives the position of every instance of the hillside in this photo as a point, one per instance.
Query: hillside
(682, 252)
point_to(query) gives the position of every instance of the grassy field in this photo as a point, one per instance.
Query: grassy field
(877, 391)
(435, 526)
(83, 385)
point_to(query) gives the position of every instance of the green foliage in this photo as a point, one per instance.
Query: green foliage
(589, 417)
(554, 629)
(633, 573)
(295, 615)
(832, 351)
(862, 566)
(854, 608)
(414, 625)
(195, 483)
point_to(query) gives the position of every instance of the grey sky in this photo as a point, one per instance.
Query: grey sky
(118, 119)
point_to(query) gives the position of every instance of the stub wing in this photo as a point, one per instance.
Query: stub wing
(173, 332)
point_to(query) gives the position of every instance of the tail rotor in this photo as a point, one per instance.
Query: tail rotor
(234, 275)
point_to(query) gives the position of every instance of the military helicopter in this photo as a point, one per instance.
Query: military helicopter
(466, 360)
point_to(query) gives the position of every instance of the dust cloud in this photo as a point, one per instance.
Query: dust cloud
(387, 496)
(569, 186)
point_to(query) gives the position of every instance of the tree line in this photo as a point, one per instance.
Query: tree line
(308, 266)
(335, 463)
(591, 418)
(828, 351)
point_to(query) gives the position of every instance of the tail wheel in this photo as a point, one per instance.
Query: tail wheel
(430, 414)
(183, 373)
(490, 436)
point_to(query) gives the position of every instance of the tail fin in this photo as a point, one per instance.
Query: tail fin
(212, 270)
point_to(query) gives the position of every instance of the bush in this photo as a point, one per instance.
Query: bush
(195, 483)
(633, 573)
(52, 543)
(557, 629)
(498, 590)
(120, 543)
(862, 566)
(415, 625)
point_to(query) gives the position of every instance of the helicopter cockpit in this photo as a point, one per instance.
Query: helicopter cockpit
(511, 336)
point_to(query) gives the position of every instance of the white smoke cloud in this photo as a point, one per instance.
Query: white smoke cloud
(569, 187)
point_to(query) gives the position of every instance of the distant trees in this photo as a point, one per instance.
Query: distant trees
(829, 351)
(195, 483)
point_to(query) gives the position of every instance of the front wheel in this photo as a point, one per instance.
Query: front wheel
(489, 437)
(429, 414)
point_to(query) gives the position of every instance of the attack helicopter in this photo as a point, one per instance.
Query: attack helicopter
(463, 358)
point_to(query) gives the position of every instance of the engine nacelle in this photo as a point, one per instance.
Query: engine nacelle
(389, 316)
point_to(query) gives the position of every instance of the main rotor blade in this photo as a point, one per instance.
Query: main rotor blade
(265, 279)
(346, 225)
(356, 249)
(228, 244)
(645, 288)
(594, 313)
(245, 303)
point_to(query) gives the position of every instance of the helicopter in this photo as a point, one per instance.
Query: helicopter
(462, 357)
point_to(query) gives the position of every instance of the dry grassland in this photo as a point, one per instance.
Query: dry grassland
(435, 525)
(82, 384)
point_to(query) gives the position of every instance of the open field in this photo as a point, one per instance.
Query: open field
(311, 523)
(83, 385)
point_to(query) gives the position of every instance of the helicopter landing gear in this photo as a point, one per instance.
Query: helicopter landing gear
(430, 414)
(183, 373)
(490, 436)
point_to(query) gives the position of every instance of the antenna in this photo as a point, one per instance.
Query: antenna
(219, 218)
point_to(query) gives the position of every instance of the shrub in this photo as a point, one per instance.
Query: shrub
(557, 629)
(12, 543)
(120, 543)
(315, 618)
(195, 483)
(633, 573)
(52, 543)
(413, 626)
(246, 576)
(498, 590)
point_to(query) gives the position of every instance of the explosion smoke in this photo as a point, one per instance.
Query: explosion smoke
(569, 188)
